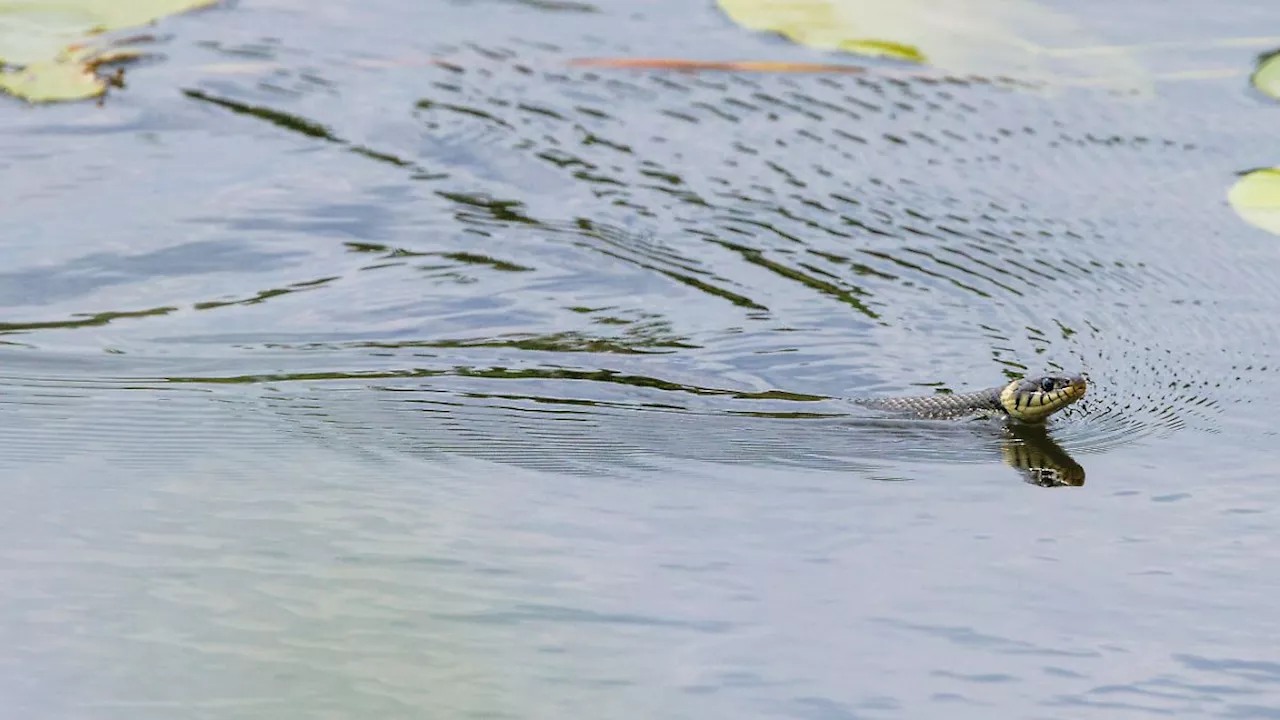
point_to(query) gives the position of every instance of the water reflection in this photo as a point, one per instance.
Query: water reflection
(513, 417)
(369, 283)
(1040, 459)
(524, 211)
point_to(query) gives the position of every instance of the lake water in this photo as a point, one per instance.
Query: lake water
(372, 360)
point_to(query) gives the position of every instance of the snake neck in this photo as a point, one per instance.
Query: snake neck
(942, 407)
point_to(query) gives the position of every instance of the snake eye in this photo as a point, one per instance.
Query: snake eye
(1046, 384)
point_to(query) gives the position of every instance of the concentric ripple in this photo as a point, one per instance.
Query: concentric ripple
(909, 217)
(568, 435)
(530, 231)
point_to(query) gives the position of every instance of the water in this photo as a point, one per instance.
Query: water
(351, 368)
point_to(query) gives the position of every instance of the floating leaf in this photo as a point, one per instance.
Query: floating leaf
(1267, 77)
(987, 38)
(47, 48)
(814, 23)
(48, 82)
(1256, 198)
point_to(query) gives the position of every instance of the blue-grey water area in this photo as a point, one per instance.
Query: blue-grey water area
(374, 360)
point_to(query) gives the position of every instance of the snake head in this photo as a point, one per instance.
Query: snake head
(1032, 399)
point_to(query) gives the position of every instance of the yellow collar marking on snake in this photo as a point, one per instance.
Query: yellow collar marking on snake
(1031, 400)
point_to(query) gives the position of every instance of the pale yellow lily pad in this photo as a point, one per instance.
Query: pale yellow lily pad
(987, 38)
(48, 46)
(1267, 76)
(50, 82)
(1256, 198)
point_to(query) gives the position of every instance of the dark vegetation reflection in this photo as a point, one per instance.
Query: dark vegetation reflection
(775, 225)
(826, 237)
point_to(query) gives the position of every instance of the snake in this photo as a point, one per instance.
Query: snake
(1029, 400)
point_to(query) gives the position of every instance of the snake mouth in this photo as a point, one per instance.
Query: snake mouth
(1076, 388)
(1032, 400)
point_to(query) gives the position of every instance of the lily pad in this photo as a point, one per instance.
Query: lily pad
(1267, 76)
(988, 38)
(50, 49)
(1256, 198)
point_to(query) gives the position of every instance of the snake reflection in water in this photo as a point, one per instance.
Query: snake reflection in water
(1026, 403)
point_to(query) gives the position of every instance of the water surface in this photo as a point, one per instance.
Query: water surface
(355, 369)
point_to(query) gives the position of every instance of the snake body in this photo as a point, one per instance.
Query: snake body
(1029, 400)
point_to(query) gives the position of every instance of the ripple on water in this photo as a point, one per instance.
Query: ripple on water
(125, 425)
(638, 423)
(930, 215)
(826, 236)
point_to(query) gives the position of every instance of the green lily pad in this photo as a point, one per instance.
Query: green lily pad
(1267, 76)
(988, 38)
(1256, 198)
(48, 47)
